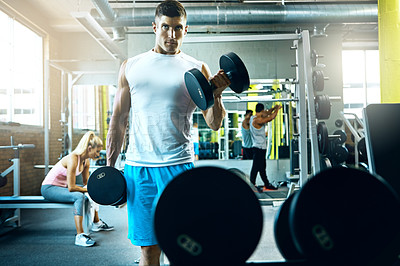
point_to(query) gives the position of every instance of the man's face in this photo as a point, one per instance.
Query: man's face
(169, 34)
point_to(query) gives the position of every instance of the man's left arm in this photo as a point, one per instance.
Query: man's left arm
(216, 114)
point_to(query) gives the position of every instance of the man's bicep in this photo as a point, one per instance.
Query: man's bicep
(206, 71)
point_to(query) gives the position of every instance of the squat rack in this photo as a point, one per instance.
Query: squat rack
(304, 95)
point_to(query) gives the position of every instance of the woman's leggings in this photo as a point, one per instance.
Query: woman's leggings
(62, 194)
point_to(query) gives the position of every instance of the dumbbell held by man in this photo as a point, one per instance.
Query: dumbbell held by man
(200, 89)
(107, 186)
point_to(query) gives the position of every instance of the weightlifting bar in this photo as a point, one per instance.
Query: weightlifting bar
(271, 82)
(18, 147)
(233, 99)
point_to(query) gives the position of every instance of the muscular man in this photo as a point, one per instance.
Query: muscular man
(246, 136)
(257, 129)
(151, 87)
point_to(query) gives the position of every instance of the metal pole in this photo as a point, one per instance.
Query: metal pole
(46, 105)
(69, 121)
(301, 114)
(226, 133)
(310, 96)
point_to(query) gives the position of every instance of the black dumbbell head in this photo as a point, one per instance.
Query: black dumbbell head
(199, 89)
(107, 186)
(234, 67)
(346, 216)
(208, 216)
(283, 238)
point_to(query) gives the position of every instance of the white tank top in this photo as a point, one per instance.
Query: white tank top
(161, 109)
(258, 136)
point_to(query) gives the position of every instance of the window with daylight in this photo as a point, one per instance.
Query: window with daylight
(21, 68)
(84, 98)
(360, 80)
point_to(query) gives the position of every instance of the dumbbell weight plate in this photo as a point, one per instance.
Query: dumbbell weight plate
(199, 89)
(346, 216)
(314, 58)
(208, 216)
(322, 106)
(343, 136)
(283, 239)
(362, 147)
(107, 186)
(339, 154)
(325, 163)
(234, 67)
(322, 137)
(318, 80)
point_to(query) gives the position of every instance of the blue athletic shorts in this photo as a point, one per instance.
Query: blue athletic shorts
(196, 148)
(144, 186)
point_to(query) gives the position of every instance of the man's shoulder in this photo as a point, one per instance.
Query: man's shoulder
(190, 59)
(138, 56)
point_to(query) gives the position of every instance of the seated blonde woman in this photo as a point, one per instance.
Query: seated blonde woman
(60, 185)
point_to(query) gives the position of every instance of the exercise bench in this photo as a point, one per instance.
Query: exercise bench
(18, 202)
(39, 202)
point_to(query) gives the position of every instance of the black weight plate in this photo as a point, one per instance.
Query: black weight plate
(208, 216)
(347, 217)
(234, 67)
(283, 238)
(339, 154)
(314, 58)
(199, 89)
(325, 163)
(338, 122)
(245, 177)
(343, 136)
(3, 181)
(362, 147)
(318, 80)
(107, 186)
(322, 106)
(322, 136)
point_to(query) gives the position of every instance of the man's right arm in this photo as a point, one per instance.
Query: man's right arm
(267, 115)
(119, 118)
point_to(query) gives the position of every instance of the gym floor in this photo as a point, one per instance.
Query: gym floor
(47, 237)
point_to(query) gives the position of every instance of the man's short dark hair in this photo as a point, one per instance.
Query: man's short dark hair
(170, 8)
(248, 112)
(259, 107)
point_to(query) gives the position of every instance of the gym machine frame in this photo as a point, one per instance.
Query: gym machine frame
(18, 202)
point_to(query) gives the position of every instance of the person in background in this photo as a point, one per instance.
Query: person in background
(151, 88)
(247, 145)
(257, 129)
(60, 185)
(195, 139)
